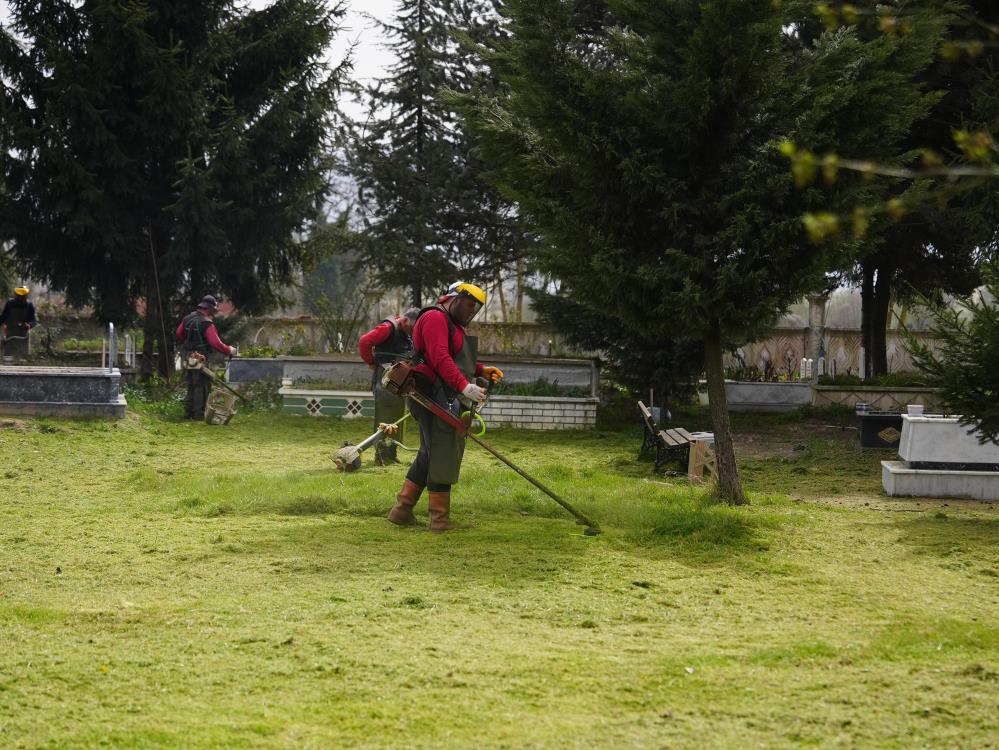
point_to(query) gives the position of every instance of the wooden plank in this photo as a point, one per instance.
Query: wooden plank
(702, 457)
(650, 423)
(645, 410)
(677, 437)
(695, 463)
(685, 435)
(667, 439)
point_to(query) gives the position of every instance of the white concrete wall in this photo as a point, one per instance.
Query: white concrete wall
(541, 413)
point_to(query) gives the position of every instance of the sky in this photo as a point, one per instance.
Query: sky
(370, 59)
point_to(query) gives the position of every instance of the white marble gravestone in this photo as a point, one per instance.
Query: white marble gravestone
(942, 458)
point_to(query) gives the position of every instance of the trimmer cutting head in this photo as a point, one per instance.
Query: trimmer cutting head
(347, 458)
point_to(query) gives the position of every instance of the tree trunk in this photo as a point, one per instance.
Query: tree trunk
(880, 312)
(417, 295)
(502, 299)
(520, 291)
(729, 483)
(149, 334)
(155, 325)
(866, 310)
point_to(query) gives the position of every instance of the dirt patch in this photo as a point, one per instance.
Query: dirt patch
(13, 424)
(785, 441)
(904, 504)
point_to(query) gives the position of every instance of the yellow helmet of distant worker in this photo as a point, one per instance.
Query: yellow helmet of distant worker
(22, 291)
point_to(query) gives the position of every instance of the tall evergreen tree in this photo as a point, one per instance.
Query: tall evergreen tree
(429, 216)
(159, 150)
(637, 359)
(934, 239)
(7, 281)
(936, 247)
(840, 79)
(642, 141)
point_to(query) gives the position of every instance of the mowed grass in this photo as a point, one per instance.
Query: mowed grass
(171, 585)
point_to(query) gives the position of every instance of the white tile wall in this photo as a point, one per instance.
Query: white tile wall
(541, 413)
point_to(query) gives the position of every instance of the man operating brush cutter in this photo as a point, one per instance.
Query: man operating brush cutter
(386, 343)
(446, 357)
(442, 364)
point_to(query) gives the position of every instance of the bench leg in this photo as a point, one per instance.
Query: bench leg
(702, 456)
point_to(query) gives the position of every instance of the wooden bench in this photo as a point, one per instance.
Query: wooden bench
(650, 435)
(676, 444)
(664, 445)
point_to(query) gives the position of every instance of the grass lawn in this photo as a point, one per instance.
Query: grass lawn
(171, 585)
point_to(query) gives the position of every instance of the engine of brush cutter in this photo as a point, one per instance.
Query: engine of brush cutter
(195, 361)
(398, 378)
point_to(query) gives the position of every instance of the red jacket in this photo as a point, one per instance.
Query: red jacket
(211, 338)
(377, 335)
(430, 337)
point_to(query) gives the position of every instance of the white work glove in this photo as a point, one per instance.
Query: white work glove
(232, 351)
(474, 393)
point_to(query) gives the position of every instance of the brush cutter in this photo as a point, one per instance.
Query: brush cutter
(348, 458)
(198, 361)
(398, 379)
(220, 407)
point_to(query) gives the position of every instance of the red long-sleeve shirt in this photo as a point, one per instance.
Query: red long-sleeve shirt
(377, 335)
(430, 337)
(211, 338)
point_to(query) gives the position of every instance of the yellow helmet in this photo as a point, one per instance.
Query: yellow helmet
(463, 290)
(21, 291)
(459, 288)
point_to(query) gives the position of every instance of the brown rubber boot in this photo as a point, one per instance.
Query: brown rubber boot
(440, 511)
(402, 512)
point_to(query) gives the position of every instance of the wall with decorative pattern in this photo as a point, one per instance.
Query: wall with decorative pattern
(525, 412)
(346, 404)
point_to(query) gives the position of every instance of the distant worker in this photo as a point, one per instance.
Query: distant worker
(448, 357)
(380, 347)
(17, 318)
(197, 335)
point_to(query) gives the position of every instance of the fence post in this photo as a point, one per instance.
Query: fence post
(112, 347)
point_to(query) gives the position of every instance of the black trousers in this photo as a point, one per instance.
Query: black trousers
(420, 467)
(198, 387)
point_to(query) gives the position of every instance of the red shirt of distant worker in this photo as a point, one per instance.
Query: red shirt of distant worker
(197, 335)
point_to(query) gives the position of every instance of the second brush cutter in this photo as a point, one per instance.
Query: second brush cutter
(348, 458)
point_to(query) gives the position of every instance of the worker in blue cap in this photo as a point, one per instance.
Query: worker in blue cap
(198, 336)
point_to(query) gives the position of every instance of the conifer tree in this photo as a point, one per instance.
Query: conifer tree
(161, 150)
(641, 140)
(637, 359)
(429, 216)
(943, 58)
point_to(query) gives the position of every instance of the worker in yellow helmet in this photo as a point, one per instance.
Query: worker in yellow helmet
(17, 318)
(448, 365)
